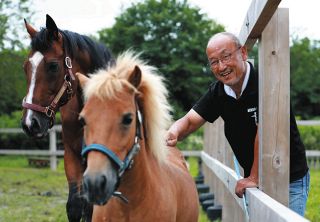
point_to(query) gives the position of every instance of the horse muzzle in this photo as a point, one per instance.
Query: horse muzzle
(35, 124)
(99, 187)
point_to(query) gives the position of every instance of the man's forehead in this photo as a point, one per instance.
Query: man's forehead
(220, 41)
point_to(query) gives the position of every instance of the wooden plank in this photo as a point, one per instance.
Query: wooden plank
(11, 130)
(188, 153)
(313, 153)
(31, 152)
(308, 122)
(56, 128)
(226, 175)
(274, 112)
(52, 149)
(263, 208)
(256, 19)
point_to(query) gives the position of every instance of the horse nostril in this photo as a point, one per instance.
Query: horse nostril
(103, 182)
(85, 185)
(32, 127)
(35, 125)
(25, 128)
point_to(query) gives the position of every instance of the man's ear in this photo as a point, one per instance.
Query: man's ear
(82, 79)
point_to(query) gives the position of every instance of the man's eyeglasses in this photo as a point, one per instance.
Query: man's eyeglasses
(223, 59)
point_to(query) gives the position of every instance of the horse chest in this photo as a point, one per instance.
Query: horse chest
(116, 211)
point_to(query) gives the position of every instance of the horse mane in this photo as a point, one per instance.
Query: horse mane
(152, 97)
(73, 42)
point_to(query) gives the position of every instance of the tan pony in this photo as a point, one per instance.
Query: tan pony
(131, 174)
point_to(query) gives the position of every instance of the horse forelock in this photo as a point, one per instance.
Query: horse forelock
(40, 42)
(152, 96)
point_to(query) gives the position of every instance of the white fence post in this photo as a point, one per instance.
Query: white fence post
(53, 148)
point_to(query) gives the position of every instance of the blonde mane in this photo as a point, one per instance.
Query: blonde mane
(152, 97)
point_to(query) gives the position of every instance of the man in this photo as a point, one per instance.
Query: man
(234, 97)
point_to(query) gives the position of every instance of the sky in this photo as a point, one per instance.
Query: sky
(89, 16)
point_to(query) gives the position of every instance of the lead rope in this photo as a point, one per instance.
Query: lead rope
(245, 204)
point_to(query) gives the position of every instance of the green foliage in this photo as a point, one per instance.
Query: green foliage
(12, 14)
(310, 136)
(18, 140)
(305, 78)
(10, 120)
(12, 80)
(193, 142)
(21, 140)
(172, 36)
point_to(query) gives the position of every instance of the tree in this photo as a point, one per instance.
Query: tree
(12, 80)
(12, 54)
(172, 36)
(12, 13)
(305, 78)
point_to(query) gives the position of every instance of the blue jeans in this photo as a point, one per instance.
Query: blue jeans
(298, 194)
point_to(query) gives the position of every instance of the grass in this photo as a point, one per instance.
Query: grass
(313, 204)
(39, 195)
(31, 195)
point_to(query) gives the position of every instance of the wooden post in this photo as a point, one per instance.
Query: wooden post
(274, 112)
(53, 148)
(257, 17)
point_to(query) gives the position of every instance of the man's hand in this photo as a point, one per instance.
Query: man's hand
(171, 139)
(245, 183)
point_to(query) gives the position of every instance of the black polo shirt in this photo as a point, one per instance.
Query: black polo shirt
(240, 124)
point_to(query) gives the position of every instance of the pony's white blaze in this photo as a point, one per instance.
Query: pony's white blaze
(35, 61)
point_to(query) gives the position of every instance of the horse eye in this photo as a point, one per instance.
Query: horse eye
(53, 67)
(127, 119)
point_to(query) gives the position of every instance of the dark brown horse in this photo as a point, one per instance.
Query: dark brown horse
(131, 175)
(54, 57)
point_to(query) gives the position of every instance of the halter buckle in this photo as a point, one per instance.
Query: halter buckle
(68, 62)
(69, 87)
(49, 111)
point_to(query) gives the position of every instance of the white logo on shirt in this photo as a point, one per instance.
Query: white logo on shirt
(255, 116)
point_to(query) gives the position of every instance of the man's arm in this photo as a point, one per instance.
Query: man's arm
(183, 127)
(253, 179)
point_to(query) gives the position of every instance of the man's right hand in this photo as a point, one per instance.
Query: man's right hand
(171, 139)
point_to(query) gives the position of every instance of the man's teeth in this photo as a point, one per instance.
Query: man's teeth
(225, 73)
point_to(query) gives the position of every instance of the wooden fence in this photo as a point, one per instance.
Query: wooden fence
(219, 174)
(53, 153)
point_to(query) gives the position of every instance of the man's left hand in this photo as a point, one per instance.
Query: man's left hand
(243, 184)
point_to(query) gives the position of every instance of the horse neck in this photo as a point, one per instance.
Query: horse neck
(83, 63)
(141, 176)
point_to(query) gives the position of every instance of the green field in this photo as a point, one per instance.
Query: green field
(39, 195)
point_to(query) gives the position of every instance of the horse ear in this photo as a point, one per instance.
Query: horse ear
(32, 32)
(53, 31)
(82, 79)
(135, 77)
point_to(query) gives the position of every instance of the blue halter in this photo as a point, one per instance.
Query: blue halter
(128, 161)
